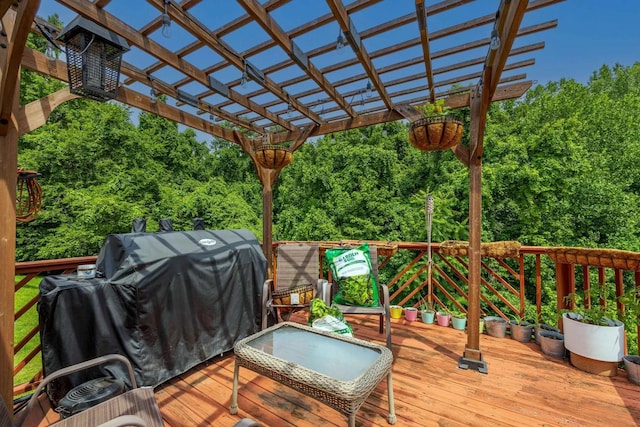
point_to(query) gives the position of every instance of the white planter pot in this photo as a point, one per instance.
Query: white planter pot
(605, 343)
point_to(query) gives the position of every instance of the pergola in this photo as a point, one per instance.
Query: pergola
(247, 75)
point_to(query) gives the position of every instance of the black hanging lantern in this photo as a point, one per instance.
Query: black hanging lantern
(94, 55)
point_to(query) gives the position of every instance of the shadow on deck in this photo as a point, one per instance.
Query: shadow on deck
(524, 387)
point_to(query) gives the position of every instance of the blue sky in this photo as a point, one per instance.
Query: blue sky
(590, 33)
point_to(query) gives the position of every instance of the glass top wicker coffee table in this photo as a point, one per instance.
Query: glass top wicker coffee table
(337, 370)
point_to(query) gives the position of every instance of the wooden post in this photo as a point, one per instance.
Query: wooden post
(565, 285)
(268, 178)
(8, 167)
(472, 357)
(16, 23)
(507, 23)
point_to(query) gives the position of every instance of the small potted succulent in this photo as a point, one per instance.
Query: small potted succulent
(427, 312)
(437, 129)
(458, 319)
(443, 317)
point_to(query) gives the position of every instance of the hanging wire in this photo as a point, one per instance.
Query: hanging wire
(340, 42)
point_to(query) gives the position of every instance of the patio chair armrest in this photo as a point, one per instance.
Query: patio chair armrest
(71, 369)
(266, 301)
(323, 291)
(125, 420)
(385, 296)
(266, 290)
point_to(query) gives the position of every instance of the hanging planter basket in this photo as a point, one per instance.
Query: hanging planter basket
(273, 156)
(436, 133)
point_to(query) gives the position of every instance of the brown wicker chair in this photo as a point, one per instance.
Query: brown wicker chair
(382, 310)
(297, 271)
(136, 407)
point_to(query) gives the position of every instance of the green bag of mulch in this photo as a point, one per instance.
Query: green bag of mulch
(351, 270)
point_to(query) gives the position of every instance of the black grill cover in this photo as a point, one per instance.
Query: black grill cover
(167, 302)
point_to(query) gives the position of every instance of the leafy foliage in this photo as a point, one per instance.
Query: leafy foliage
(560, 168)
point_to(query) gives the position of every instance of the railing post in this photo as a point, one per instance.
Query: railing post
(565, 285)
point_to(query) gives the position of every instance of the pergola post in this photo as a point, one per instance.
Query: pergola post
(16, 24)
(507, 23)
(268, 178)
(472, 357)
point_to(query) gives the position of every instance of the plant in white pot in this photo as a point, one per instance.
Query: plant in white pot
(593, 335)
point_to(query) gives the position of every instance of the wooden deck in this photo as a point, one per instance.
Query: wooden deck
(523, 388)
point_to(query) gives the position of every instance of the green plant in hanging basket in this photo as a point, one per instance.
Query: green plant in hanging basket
(437, 129)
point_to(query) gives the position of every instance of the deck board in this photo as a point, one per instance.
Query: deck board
(524, 387)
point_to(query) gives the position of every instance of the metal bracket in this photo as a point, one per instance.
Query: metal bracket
(476, 365)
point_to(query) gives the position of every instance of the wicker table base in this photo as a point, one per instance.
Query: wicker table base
(339, 371)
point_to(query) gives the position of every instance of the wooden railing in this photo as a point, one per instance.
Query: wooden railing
(508, 286)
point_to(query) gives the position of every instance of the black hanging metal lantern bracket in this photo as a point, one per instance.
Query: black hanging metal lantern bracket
(94, 56)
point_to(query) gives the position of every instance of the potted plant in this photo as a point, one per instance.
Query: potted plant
(496, 326)
(458, 319)
(552, 343)
(521, 330)
(437, 129)
(593, 335)
(427, 312)
(539, 328)
(443, 317)
(631, 301)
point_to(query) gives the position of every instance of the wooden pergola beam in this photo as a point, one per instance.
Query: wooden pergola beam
(37, 61)
(36, 113)
(165, 88)
(389, 84)
(355, 41)
(458, 101)
(200, 32)
(197, 44)
(268, 44)
(407, 63)
(421, 17)
(89, 11)
(261, 16)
